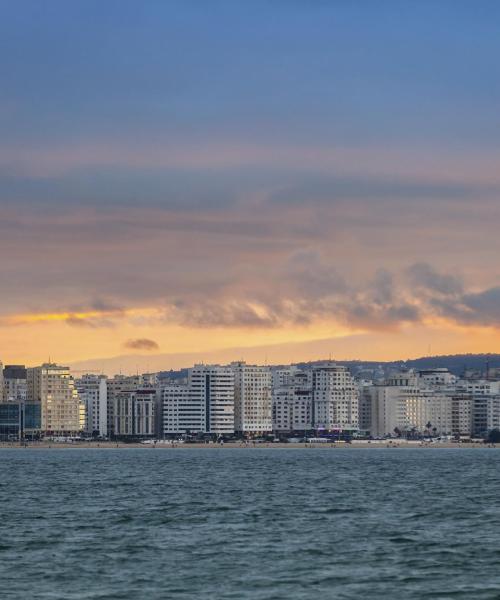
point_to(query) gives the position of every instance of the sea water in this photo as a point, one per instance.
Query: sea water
(249, 523)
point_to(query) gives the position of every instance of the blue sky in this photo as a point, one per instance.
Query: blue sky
(342, 72)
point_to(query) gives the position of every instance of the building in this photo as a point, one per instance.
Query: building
(177, 412)
(93, 393)
(14, 383)
(11, 421)
(53, 388)
(115, 386)
(400, 406)
(478, 387)
(486, 414)
(439, 413)
(335, 398)
(292, 403)
(285, 375)
(212, 390)
(439, 377)
(461, 414)
(252, 398)
(134, 413)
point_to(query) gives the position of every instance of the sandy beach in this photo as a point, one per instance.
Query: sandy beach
(375, 445)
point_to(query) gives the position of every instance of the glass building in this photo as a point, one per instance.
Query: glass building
(10, 421)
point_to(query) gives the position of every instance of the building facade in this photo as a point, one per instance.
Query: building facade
(93, 392)
(134, 413)
(178, 413)
(212, 388)
(292, 403)
(52, 387)
(14, 383)
(252, 398)
(335, 398)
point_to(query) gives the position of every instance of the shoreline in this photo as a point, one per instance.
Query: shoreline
(237, 446)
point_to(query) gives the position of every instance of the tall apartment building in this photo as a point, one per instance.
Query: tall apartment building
(93, 392)
(134, 413)
(212, 389)
(486, 413)
(177, 412)
(252, 398)
(52, 387)
(439, 412)
(383, 409)
(14, 383)
(335, 398)
(292, 402)
(461, 414)
(116, 385)
(480, 404)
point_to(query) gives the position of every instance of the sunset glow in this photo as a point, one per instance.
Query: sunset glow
(172, 192)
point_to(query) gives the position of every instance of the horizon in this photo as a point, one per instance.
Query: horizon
(114, 365)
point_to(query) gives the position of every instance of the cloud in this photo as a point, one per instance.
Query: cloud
(444, 294)
(469, 309)
(305, 289)
(425, 277)
(142, 344)
(302, 289)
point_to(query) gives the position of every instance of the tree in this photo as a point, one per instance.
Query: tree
(397, 431)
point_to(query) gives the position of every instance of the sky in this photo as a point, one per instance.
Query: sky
(275, 180)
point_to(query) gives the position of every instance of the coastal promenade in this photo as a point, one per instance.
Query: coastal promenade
(373, 445)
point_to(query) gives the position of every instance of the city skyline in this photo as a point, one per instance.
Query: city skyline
(181, 184)
(238, 401)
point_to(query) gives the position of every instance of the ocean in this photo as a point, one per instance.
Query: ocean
(249, 523)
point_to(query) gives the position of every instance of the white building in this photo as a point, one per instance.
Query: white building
(178, 412)
(439, 417)
(335, 398)
(479, 387)
(401, 406)
(93, 392)
(292, 403)
(212, 388)
(439, 377)
(252, 398)
(286, 375)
